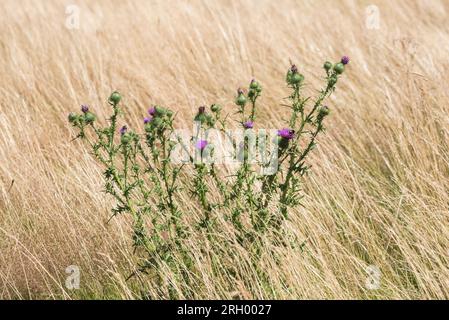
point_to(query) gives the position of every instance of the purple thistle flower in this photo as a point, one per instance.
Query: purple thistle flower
(286, 133)
(84, 108)
(345, 60)
(147, 120)
(123, 130)
(152, 111)
(248, 125)
(201, 144)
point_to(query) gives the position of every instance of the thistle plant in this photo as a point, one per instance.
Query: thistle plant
(147, 185)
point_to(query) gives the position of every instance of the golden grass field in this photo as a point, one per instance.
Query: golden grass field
(378, 194)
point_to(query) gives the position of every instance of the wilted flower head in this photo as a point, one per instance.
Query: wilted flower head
(324, 110)
(84, 108)
(240, 91)
(123, 130)
(248, 125)
(201, 144)
(147, 120)
(201, 109)
(294, 69)
(152, 111)
(345, 60)
(286, 133)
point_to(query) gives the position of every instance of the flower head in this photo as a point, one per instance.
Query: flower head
(152, 111)
(147, 120)
(241, 99)
(248, 125)
(115, 98)
(123, 130)
(345, 60)
(84, 108)
(324, 111)
(89, 117)
(201, 144)
(215, 108)
(72, 117)
(254, 84)
(201, 110)
(286, 133)
(294, 69)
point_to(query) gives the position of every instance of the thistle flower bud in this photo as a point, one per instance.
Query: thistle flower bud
(297, 78)
(327, 66)
(160, 111)
(345, 60)
(241, 100)
(126, 138)
(293, 77)
(339, 68)
(210, 120)
(215, 108)
(323, 111)
(72, 117)
(115, 98)
(201, 117)
(84, 108)
(157, 122)
(254, 84)
(89, 117)
(169, 113)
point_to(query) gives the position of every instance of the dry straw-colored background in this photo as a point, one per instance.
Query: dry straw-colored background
(378, 194)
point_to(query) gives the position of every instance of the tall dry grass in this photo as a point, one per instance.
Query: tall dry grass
(378, 194)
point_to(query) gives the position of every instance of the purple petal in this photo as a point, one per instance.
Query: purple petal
(152, 111)
(286, 133)
(248, 125)
(201, 144)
